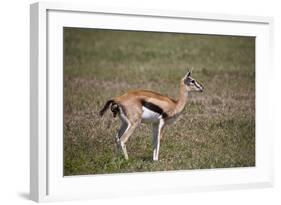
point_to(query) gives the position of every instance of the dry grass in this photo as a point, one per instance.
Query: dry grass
(217, 128)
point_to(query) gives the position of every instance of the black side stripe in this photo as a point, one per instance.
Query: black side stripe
(154, 108)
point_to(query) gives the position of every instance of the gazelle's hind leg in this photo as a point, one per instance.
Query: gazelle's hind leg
(123, 139)
(120, 132)
(157, 132)
(128, 127)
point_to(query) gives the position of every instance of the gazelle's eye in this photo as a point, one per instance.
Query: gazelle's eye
(193, 81)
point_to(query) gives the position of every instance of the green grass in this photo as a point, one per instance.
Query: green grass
(216, 129)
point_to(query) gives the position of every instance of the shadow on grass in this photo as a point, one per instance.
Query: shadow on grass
(147, 159)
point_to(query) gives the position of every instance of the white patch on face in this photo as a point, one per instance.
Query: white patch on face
(149, 115)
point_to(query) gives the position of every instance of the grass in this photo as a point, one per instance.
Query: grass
(216, 129)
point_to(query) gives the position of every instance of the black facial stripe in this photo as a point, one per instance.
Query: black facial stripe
(154, 108)
(197, 86)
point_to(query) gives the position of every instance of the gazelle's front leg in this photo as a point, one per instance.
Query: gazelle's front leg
(157, 129)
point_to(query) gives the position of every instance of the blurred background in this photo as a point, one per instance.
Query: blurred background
(216, 129)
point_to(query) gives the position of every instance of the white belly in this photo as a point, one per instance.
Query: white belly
(150, 116)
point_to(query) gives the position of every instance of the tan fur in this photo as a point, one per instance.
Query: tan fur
(131, 100)
(131, 110)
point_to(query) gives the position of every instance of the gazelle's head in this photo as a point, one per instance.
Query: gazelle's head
(191, 84)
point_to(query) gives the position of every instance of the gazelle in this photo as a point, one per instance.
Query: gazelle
(137, 106)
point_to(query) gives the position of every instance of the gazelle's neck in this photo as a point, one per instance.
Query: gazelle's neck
(182, 99)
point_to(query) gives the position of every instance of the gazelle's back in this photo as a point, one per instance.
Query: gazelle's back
(144, 95)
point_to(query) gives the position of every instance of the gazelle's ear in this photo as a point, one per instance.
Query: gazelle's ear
(187, 75)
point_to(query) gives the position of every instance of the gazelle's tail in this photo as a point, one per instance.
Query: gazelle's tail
(105, 107)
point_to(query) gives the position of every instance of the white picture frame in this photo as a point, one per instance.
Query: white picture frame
(47, 182)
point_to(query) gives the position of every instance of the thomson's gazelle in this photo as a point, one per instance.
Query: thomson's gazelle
(138, 106)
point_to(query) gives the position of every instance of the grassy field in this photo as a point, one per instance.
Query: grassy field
(216, 129)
